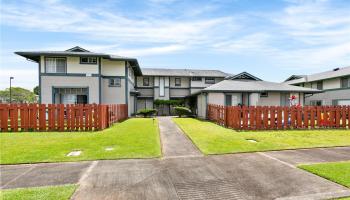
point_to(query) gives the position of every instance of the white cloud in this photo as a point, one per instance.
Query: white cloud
(303, 34)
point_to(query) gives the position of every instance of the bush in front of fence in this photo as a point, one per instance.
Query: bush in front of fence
(147, 112)
(182, 111)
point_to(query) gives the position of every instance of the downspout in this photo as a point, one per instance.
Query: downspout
(99, 82)
(206, 105)
(126, 84)
(39, 80)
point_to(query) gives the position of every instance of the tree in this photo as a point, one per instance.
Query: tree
(36, 90)
(19, 95)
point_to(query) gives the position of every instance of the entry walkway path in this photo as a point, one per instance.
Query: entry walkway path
(174, 142)
(267, 175)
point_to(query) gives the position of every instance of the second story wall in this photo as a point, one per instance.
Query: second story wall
(112, 68)
(73, 65)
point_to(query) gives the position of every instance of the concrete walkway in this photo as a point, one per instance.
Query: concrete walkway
(264, 175)
(174, 142)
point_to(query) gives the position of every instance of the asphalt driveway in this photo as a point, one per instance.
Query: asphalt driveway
(267, 175)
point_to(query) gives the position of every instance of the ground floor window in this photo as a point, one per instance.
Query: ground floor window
(341, 102)
(316, 103)
(70, 95)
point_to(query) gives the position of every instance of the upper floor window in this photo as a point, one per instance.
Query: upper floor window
(345, 82)
(320, 85)
(88, 60)
(146, 81)
(114, 82)
(209, 80)
(196, 78)
(177, 81)
(55, 65)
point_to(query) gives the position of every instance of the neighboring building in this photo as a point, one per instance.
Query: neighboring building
(169, 84)
(246, 89)
(80, 76)
(335, 85)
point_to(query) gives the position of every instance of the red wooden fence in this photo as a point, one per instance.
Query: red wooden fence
(60, 117)
(279, 117)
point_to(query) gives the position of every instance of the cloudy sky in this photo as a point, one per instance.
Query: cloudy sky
(270, 39)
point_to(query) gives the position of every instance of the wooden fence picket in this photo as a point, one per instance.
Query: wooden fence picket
(59, 117)
(277, 117)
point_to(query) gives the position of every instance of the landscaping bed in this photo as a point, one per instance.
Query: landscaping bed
(211, 138)
(133, 138)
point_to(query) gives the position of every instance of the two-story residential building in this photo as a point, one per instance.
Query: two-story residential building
(169, 84)
(335, 85)
(79, 76)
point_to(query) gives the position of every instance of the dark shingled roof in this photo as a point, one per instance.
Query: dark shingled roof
(183, 72)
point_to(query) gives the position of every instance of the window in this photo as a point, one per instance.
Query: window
(316, 103)
(320, 85)
(161, 86)
(114, 82)
(177, 81)
(209, 80)
(228, 100)
(70, 95)
(264, 94)
(88, 60)
(196, 78)
(55, 65)
(345, 82)
(146, 81)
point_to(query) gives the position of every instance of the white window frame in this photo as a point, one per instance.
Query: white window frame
(209, 80)
(115, 82)
(179, 83)
(90, 60)
(53, 61)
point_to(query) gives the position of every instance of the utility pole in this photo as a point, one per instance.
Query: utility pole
(10, 90)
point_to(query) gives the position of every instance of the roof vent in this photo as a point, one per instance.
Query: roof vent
(336, 69)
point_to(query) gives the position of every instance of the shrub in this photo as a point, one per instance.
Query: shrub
(172, 102)
(181, 111)
(147, 112)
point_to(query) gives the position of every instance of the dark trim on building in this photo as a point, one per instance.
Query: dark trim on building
(184, 88)
(39, 64)
(126, 84)
(206, 105)
(69, 74)
(106, 77)
(99, 82)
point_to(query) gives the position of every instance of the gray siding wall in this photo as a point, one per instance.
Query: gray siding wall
(112, 95)
(327, 97)
(47, 82)
(146, 92)
(179, 92)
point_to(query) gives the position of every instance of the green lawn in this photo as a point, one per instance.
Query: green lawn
(133, 138)
(338, 172)
(63, 192)
(214, 139)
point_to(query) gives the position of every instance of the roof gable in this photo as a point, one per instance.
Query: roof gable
(293, 77)
(77, 49)
(243, 76)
